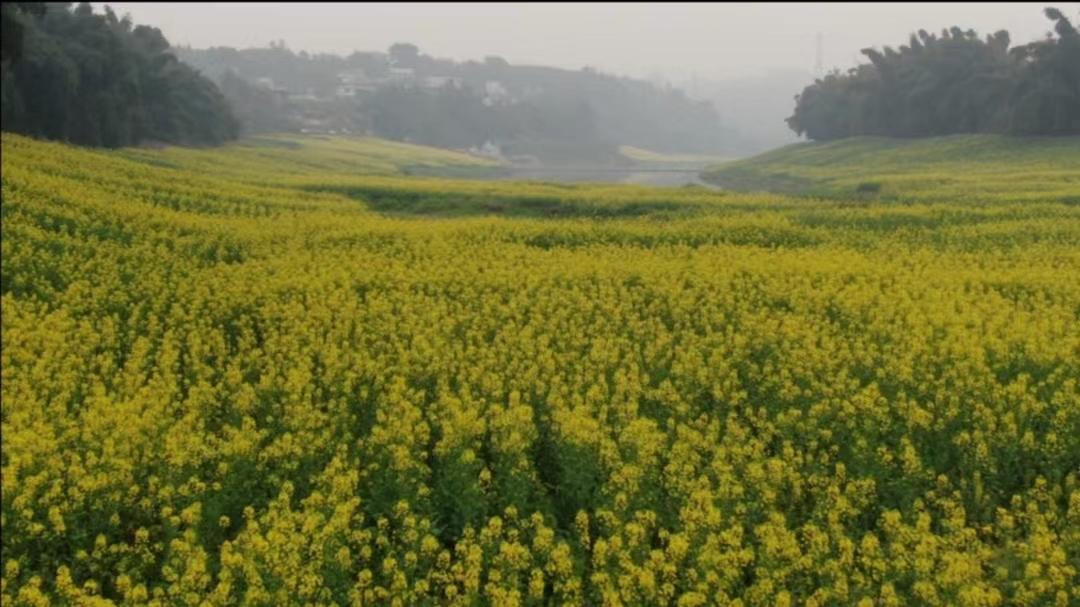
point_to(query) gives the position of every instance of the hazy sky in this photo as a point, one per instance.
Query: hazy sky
(676, 39)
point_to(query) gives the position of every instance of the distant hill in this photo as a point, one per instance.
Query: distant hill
(405, 95)
(992, 166)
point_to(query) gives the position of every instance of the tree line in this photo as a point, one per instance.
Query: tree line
(98, 80)
(949, 84)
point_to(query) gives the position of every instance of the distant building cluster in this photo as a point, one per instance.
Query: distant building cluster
(313, 112)
(353, 83)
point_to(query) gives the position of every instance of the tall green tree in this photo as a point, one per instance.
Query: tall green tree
(951, 83)
(13, 26)
(1046, 100)
(96, 79)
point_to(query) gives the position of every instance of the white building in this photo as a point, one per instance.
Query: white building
(353, 82)
(401, 75)
(495, 94)
(438, 82)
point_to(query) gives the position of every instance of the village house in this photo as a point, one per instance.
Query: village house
(495, 93)
(353, 82)
(438, 82)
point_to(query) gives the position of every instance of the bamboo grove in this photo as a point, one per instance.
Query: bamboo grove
(241, 388)
(949, 84)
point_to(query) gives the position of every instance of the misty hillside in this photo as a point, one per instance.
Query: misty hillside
(755, 106)
(504, 109)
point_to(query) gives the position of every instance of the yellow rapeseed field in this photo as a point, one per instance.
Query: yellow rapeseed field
(290, 375)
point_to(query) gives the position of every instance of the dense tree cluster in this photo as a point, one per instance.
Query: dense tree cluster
(95, 79)
(952, 83)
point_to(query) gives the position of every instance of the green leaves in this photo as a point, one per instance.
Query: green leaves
(92, 80)
(955, 83)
